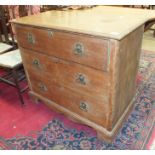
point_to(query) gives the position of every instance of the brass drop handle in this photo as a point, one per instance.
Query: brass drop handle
(42, 87)
(84, 106)
(36, 63)
(30, 38)
(81, 79)
(79, 49)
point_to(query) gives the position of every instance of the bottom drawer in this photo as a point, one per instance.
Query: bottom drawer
(88, 107)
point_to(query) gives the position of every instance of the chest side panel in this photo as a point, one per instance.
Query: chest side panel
(124, 71)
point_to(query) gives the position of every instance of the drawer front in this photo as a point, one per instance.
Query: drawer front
(88, 107)
(71, 75)
(83, 49)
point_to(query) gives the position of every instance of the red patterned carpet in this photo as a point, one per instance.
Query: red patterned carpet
(18, 120)
(37, 127)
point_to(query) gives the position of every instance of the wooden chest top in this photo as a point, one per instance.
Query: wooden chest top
(110, 22)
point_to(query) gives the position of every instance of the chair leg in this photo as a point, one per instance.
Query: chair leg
(15, 76)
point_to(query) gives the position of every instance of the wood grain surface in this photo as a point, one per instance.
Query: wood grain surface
(106, 21)
(93, 51)
(67, 73)
(90, 79)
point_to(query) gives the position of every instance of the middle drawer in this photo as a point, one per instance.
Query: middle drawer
(71, 75)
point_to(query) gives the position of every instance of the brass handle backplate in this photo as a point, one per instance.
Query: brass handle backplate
(42, 87)
(30, 38)
(80, 78)
(36, 63)
(84, 106)
(79, 49)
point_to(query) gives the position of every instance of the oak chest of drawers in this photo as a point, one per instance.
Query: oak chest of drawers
(77, 63)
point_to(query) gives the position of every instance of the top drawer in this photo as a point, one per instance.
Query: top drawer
(83, 49)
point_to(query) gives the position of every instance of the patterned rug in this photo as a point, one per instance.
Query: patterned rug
(61, 133)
